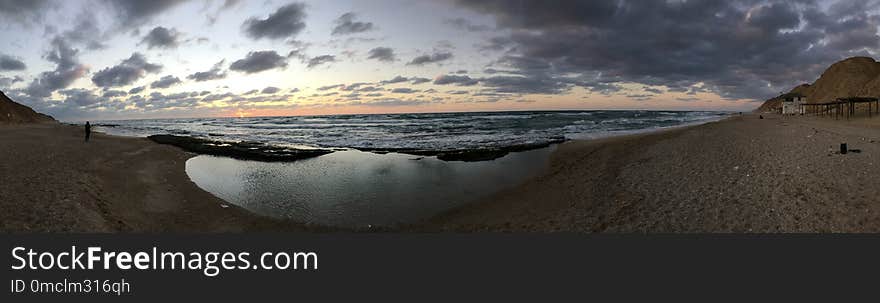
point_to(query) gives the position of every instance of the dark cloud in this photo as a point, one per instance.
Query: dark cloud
(80, 97)
(135, 13)
(8, 63)
(270, 90)
(353, 86)
(5, 82)
(216, 72)
(259, 61)
(498, 43)
(136, 90)
(67, 69)
(404, 90)
(365, 89)
(161, 37)
(432, 58)
(382, 54)
(321, 60)
(251, 92)
(525, 85)
(346, 25)
(126, 72)
(227, 4)
(737, 49)
(286, 22)
(466, 25)
(394, 102)
(397, 79)
(653, 90)
(298, 54)
(640, 97)
(417, 80)
(497, 71)
(165, 82)
(329, 87)
(351, 96)
(23, 10)
(454, 79)
(158, 100)
(217, 97)
(114, 93)
(86, 32)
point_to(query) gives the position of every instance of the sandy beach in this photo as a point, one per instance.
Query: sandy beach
(742, 174)
(54, 182)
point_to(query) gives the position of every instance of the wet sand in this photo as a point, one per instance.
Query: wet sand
(743, 174)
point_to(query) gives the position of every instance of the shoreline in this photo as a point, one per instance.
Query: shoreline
(54, 182)
(736, 174)
(445, 221)
(216, 141)
(742, 174)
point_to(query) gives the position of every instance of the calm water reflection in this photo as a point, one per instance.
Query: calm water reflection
(352, 188)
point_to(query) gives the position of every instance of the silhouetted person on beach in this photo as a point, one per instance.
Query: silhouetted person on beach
(88, 130)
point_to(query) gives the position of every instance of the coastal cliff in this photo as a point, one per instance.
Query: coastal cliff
(852, 77)
(12, 112)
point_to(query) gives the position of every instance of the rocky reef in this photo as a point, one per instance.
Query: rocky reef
(262, 152)
(239, 150)
(467, 155)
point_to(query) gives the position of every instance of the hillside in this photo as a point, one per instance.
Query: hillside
(852, 77)
(847, 78)
(775, 103)
(12, 112)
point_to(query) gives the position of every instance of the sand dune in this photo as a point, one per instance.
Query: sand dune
(852, 77)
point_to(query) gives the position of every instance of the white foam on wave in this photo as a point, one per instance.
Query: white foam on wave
(442, 131)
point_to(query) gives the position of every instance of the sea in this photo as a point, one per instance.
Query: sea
(421, 131)
(350, 188)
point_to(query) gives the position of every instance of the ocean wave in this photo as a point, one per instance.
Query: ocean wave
(432, 132)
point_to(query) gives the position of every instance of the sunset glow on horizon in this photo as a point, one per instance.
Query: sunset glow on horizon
(113, 59)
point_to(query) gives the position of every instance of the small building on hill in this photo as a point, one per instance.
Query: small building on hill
(793, 104)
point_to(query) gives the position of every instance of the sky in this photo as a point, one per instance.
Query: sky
(114, 59)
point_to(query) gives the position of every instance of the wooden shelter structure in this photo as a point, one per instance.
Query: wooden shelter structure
(844, 108)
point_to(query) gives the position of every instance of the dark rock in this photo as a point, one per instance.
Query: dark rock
(472, 155)
(467, 155)
(239, 150)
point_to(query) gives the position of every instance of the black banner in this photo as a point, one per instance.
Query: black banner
(455, 267)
